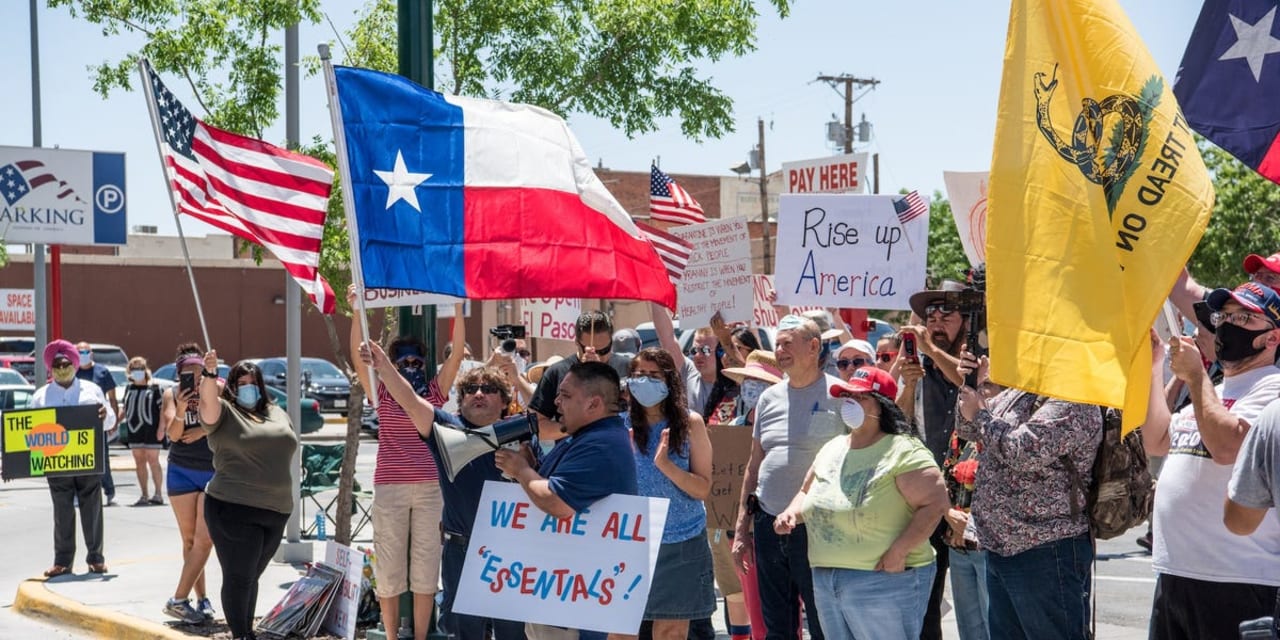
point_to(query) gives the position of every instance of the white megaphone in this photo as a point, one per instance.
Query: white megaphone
(459, 446)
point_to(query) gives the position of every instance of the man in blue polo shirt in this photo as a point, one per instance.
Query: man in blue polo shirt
(101, 376)
(483, 397)
(593, 462)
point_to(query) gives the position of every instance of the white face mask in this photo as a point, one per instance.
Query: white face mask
(852, 413)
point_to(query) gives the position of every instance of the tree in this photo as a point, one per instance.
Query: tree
(1246, 219)
(946, 253)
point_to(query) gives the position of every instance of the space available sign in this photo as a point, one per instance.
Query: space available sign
(62, 196)
(17, 310)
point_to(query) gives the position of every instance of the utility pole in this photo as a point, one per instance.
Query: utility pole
(764, 204)
(849, 82)
(414, 54)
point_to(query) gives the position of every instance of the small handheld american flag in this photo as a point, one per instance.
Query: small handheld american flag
(671, 203)
(910, 207)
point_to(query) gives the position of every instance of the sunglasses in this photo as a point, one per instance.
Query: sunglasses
(855, 363)
(59, 367)
(582, 348)
(886, 356)
(942, 309)
(412, 363)
(468, 389)
(702, 351)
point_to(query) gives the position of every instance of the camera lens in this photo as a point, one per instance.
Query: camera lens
(509, 345)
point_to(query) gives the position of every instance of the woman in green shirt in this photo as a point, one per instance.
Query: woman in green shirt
(870, 501)
(249, 499)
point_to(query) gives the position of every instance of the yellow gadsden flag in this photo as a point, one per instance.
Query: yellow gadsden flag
(1098, 196)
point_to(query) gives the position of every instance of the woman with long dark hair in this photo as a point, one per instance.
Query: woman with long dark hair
(140, 429)
(250, 497)
(869, 502)
(673, 461)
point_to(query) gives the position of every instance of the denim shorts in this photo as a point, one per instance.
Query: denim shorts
(683, 582)
(182, 480)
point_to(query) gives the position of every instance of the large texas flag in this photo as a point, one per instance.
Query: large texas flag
(483, 199)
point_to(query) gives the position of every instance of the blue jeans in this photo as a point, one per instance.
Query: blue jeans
(872, 605)
(462, 625)
(784, 579)
(969, 593)
(1041, 593)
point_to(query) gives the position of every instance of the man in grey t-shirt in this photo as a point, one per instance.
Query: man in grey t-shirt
(794, 419)
(1255, 481)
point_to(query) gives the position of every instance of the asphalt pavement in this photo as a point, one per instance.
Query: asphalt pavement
(142, 551)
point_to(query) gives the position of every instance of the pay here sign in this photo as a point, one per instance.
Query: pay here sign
(591, 571)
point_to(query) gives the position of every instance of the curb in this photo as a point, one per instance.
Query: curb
(35, 600)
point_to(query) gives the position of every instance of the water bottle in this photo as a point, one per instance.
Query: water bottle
(320, 527)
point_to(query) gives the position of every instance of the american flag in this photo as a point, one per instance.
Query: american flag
(674, 252)
(246, 187)
(19, 178)
(670, 203)
(910, 207)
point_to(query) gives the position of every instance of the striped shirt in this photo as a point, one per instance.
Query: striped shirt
(403, 458)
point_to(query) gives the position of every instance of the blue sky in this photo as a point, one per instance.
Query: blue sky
(939, 64)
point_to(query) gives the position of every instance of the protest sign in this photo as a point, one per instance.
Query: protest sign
(849, 251)
(378, 298)
(718, 276)
(764, 314)
(730, 446)
(341, 620)
(53, 442)
(553, 318)
(304, 607)
(591, 571)
(17, 310)
(968, 193)
(836, 174)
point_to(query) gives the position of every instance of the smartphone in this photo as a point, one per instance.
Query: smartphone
(909, 348)
(187, 382)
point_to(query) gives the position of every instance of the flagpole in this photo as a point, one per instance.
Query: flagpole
(186, 255)
(348, 205)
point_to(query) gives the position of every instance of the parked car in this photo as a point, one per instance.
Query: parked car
(321, 380)
(311, 419)
(12, 376)
(17, 345)
(26, 365)
(16, 396)
(369, 418)
(109, 354)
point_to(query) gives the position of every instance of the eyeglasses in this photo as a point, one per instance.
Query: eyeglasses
(700, 351)
(1238, 318)
(468, 389)
(942, 309)
(1267, 277)
(855, 363)
(886, 356)
(411, 363)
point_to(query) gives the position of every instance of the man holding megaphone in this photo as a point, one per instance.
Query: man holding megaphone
(464, 445)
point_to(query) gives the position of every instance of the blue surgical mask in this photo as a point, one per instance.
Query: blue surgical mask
(138, 375)
(247, 396)
(86, 356)
(647, 391)
(750, 392)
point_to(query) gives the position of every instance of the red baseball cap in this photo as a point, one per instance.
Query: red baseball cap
(866, 380)
(1253, 262)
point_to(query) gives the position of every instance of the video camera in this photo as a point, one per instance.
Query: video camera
(508, 334)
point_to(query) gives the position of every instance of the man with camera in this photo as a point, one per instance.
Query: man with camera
(594, 338)
(1209, 580)
(483, 396)
(595, 462)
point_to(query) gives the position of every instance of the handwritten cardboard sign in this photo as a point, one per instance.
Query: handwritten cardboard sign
(764, 314)
(554, 318)
(731, 446)
(591, 571)
(341, 620)
(849, 251)
(53, 442)
(968, 193)
(718, 277)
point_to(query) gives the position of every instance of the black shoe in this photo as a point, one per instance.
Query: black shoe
(1144, 541)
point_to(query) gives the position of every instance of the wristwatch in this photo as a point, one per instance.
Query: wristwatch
(205, 373)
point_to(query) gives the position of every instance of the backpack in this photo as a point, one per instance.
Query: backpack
(1122, 493)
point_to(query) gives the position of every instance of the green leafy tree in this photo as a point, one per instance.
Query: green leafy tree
(946, 253)
(1246, 219)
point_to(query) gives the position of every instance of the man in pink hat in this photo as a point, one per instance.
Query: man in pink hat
(62, 359)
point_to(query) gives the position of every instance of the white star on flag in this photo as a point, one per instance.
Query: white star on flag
(401, 183)
(1253, 42)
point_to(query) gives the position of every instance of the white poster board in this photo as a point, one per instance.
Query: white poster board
(341, 620)
(718, 277)
(849, 251)
(378, 298)
(834, 174)
(764, 313)
(968, 193)
(17, 310)
(591, 571)
(552, 318)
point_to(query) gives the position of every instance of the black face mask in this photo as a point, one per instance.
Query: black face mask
(416, 377)
(1234, 344)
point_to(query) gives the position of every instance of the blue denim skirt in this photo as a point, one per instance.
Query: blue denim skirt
(683, 582)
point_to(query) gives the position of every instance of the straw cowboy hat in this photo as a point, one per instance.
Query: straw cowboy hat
(761, 365)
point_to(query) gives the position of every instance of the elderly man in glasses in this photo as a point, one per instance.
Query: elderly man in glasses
(1208, 579)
